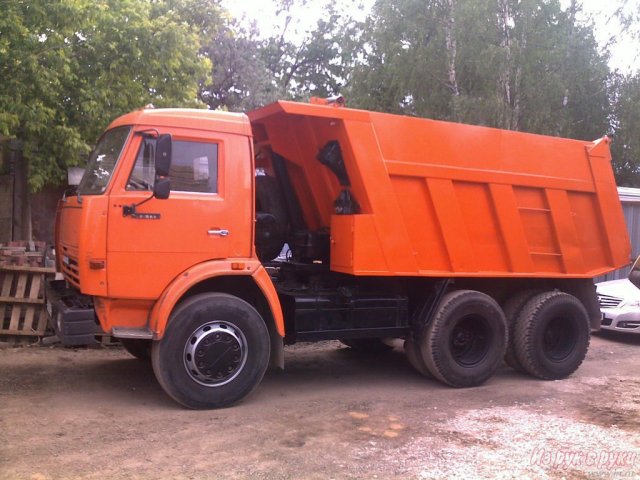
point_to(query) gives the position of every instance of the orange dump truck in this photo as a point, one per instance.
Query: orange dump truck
(208, 240)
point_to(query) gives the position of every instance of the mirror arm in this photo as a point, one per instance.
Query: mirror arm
(131, 211)
(149, 133)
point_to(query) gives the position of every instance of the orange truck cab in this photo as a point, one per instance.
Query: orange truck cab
(207, 240)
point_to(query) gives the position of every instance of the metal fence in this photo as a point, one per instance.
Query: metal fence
(630, 199)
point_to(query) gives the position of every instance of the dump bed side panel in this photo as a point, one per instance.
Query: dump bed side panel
(444, 199)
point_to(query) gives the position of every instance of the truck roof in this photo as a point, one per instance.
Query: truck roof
(192, 118)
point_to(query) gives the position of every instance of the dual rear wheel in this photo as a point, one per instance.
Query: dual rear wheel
(545, 334)
(550, 335)
(465, 341)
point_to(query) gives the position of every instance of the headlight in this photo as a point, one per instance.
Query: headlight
(632, 303)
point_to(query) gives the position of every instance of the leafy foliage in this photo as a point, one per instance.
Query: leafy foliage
(249, 70)
(516, 64)
(320, 64)
(239, 79)
(70, 66)
(625, 148)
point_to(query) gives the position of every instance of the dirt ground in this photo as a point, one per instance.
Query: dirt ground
(332, 414)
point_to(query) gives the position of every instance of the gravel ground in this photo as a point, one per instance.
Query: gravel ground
(333, 413)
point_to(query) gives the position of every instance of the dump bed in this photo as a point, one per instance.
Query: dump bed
(446, 199)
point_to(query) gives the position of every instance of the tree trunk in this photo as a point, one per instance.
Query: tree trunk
(517, 82)
(505, 74)
(21, 200)
(452, 52)
(564, 120)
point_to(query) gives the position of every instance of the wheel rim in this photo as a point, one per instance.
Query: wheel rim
(559, 339)
(470, 340)
(215, 354)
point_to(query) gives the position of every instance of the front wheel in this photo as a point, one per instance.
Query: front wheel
(214, 352)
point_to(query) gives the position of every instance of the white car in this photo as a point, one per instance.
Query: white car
(620, 304)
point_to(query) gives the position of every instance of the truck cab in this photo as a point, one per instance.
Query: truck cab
(120, 244)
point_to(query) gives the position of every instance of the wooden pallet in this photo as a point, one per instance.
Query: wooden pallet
(22, 309)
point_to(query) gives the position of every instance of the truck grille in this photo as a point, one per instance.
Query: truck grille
(607, 301)
(70, 268)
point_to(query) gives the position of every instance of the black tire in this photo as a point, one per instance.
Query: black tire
(141, 349)
(466, 340)
(414, 355)
(552, 335)
(512, 309)
(230, 337)
(367, 345)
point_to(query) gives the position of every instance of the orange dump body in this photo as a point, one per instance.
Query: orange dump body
(445, 199)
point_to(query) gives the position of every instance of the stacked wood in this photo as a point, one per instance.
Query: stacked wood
(22, 275)
(22, 309)
(22, 254)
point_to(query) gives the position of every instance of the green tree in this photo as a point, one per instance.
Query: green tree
(239, 79)
(516, 64)
(318, 65)
(70, 66)
(625, 147)
(249, 70)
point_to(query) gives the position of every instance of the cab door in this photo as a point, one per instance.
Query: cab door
(207, 216)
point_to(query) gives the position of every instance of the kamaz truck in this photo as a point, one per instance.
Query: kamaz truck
(206, 241)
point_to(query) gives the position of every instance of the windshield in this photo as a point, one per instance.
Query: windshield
(102, 161)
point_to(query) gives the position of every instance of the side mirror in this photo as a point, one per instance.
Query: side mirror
(162, 188)
(163, 155)
(162, 161)
(74, 175)
(634, 274)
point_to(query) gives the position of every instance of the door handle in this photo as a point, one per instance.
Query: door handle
(219, 231)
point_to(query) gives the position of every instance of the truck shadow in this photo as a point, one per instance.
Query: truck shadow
(120, 381)
(330, 369)
(619, 337)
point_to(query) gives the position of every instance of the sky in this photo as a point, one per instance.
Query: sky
(624, 54)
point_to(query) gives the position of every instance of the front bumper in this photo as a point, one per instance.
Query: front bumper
(71, 314)
(621, 320)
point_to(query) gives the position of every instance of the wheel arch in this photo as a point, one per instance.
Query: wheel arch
(251, 284)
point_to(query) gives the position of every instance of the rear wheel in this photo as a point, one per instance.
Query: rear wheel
(512, 309)
(414, 355)
(466, 340)
(367, 345)
(214, 352)
(141, 349)
(552, 335)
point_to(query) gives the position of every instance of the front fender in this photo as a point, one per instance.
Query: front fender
(162, 309)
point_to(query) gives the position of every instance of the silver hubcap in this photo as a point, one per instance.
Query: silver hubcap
(215, 354)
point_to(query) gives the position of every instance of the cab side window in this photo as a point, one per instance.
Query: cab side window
(194, 168)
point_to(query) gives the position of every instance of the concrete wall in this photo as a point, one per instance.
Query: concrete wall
(43, 212)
